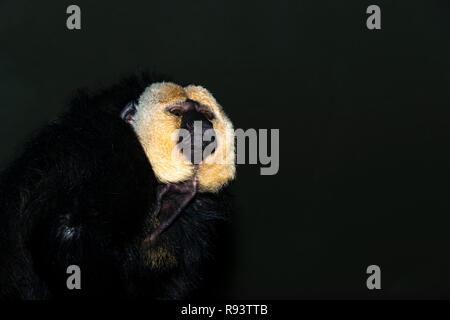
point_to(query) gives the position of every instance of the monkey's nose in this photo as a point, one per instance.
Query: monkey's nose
(201, 141)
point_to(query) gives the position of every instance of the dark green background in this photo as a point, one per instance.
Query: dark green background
(363, 118)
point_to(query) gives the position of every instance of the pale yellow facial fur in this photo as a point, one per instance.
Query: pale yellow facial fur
(155, 127)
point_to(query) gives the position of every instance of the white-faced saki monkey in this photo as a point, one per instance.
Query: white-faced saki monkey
(102, 189)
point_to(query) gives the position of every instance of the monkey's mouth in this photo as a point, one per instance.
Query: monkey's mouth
(195, 148)
(171, 199)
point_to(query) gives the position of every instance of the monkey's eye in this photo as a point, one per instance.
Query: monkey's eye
(208, 114)
(175, 111)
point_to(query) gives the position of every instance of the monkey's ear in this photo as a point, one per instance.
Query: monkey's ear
(171, 199)
(128, 112)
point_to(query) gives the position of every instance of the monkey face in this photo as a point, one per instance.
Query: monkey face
(164, 108)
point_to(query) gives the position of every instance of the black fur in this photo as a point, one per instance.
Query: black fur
(83, 193)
